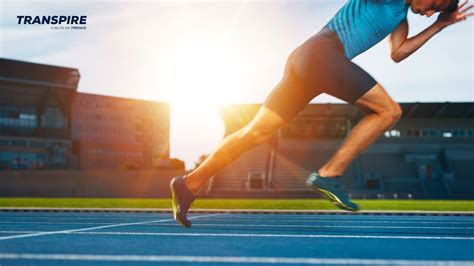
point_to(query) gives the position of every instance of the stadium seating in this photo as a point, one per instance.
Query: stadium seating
(234, 176)
(462, 186)
(397, 175)
(292, 167)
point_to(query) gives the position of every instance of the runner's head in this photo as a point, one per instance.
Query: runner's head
(429, 7)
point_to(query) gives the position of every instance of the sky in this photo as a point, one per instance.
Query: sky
(197, 54)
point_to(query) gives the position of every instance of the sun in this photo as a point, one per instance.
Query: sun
(202, 72)
(201, 75)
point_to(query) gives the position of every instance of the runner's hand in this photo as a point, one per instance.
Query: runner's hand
(460, 14)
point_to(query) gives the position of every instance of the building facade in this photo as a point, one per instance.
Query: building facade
(118, 133)
(35, 115)
(46, 124)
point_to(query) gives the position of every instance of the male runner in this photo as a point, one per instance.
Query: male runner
(323, 64)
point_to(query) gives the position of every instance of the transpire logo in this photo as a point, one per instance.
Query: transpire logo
(63, 22)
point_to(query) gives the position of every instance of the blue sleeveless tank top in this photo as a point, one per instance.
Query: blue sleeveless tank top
(360, 24)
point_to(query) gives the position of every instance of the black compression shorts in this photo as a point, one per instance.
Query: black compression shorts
(318, 66)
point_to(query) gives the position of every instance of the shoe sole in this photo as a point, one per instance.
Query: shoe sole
(332, 198)
(335, 200)
(174, 205)
(173, 202)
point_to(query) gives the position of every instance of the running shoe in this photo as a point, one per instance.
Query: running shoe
(181, 201)
(331, 189)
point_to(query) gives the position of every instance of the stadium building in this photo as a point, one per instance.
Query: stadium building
(46, 124)
(428, 154)
(35, 115)
(118, 133)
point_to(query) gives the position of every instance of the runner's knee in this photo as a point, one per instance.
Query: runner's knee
(256, 136)
(393, 112)
(265, 123)
(377, 101)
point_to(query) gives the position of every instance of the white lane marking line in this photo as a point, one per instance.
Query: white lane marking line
(20, 232)
(315, 221)
(311, 223)
(1, 222)
(106, 216)
(329, 226)
(340, 215)
(96, 227)
(315, 218)
(215, 259)
(351, 217)
(357, 215)
(70, 216)
(253, 235)
(277, 225)
(287, 235)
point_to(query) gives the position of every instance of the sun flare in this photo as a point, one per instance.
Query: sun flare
(199, 74)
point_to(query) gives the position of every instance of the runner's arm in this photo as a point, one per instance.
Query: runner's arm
(402, 47)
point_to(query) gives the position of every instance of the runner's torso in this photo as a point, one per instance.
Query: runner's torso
(360, 24)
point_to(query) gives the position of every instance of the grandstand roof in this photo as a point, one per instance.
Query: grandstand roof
(409, 110)
(39, 74)
(438, 110)
(240, 114)
(31, 84)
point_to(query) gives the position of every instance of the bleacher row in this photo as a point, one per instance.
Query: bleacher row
(285, 170)
(463, 183)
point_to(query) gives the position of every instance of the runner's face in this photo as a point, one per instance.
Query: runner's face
(428, 7)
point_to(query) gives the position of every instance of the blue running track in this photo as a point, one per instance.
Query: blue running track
(82, 238)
